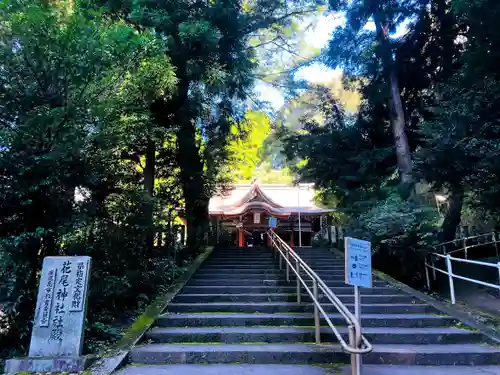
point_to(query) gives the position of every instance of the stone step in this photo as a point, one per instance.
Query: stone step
(317, 252)
(276, 369)
(260, 264)
(280, 289)
(267, 281)
(236, 335)
(458, 354)
(259, 274)
(245, 271)
(303, 319)
(220, 265)
(267, 255)
(240, 259)
(224, 265)
(323, 262)
(326, 267)
(236, 275)
(319, 255)
(323, 254)
(284, 307)
(283, 297)
(237, 282)
(330, 269)
(241, 269)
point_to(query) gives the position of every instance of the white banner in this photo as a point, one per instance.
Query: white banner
(256, 217)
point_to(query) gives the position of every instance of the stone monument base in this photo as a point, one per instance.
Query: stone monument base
(48, 364)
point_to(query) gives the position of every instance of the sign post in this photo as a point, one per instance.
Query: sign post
(57, 336)
(358, 269)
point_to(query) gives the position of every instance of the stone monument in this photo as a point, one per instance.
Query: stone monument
(58, 328)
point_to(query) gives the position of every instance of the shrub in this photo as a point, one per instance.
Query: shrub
(401, 233)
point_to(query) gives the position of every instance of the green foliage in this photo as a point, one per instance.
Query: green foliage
(401, 233)
(245, 147)
(75, 95)
(445, 70)
(461, 139)
(127, 106)
(345, 156)
(394, 221)
(208, 43)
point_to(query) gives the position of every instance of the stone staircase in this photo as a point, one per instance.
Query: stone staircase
(238, 309)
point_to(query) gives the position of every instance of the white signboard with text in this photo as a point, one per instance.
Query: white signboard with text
(358, 258)
(273, 222)
(256, 217)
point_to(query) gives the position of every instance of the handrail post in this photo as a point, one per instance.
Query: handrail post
(495, 242)
(465, 248)
(298, 281)
(357, 314)
(433, 269)
(281, 258)
(498, 266)
(427, 275)
(317, 326)
(354, 357)
(450, 279)
(287, 265)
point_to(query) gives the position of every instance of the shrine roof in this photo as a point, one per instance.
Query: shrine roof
(277, 199)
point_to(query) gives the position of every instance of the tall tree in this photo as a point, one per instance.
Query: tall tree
(208, 43)
(59, 69)
(460, 152)
(361, 51)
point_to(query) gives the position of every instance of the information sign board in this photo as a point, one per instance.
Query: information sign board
(358, 260)
(273, 222)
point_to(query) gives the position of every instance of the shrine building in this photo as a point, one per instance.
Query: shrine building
(246, 212)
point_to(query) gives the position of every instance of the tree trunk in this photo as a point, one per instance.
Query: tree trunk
(26, 285)
(453, 215)
(191, 173)
(149, 181)
(403, 152)
(397, 115)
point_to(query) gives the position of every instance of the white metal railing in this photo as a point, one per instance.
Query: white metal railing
(358, 344)
(446, 256)
(480, 240)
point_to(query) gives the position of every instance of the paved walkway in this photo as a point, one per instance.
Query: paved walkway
(304, 370)
(474, 295)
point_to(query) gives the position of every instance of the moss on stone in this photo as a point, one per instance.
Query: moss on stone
(331, 368)
(144, 322)
(460, 325)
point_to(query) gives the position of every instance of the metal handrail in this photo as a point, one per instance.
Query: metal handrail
(463, 238)
(465, 246)
(355, 336)
(449, 271)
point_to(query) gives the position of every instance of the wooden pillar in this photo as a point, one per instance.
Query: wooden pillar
(241, 237)
(291, 239)
(183, 234)
(268, 239)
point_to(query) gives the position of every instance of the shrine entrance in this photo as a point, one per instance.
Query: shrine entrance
(245, 211)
